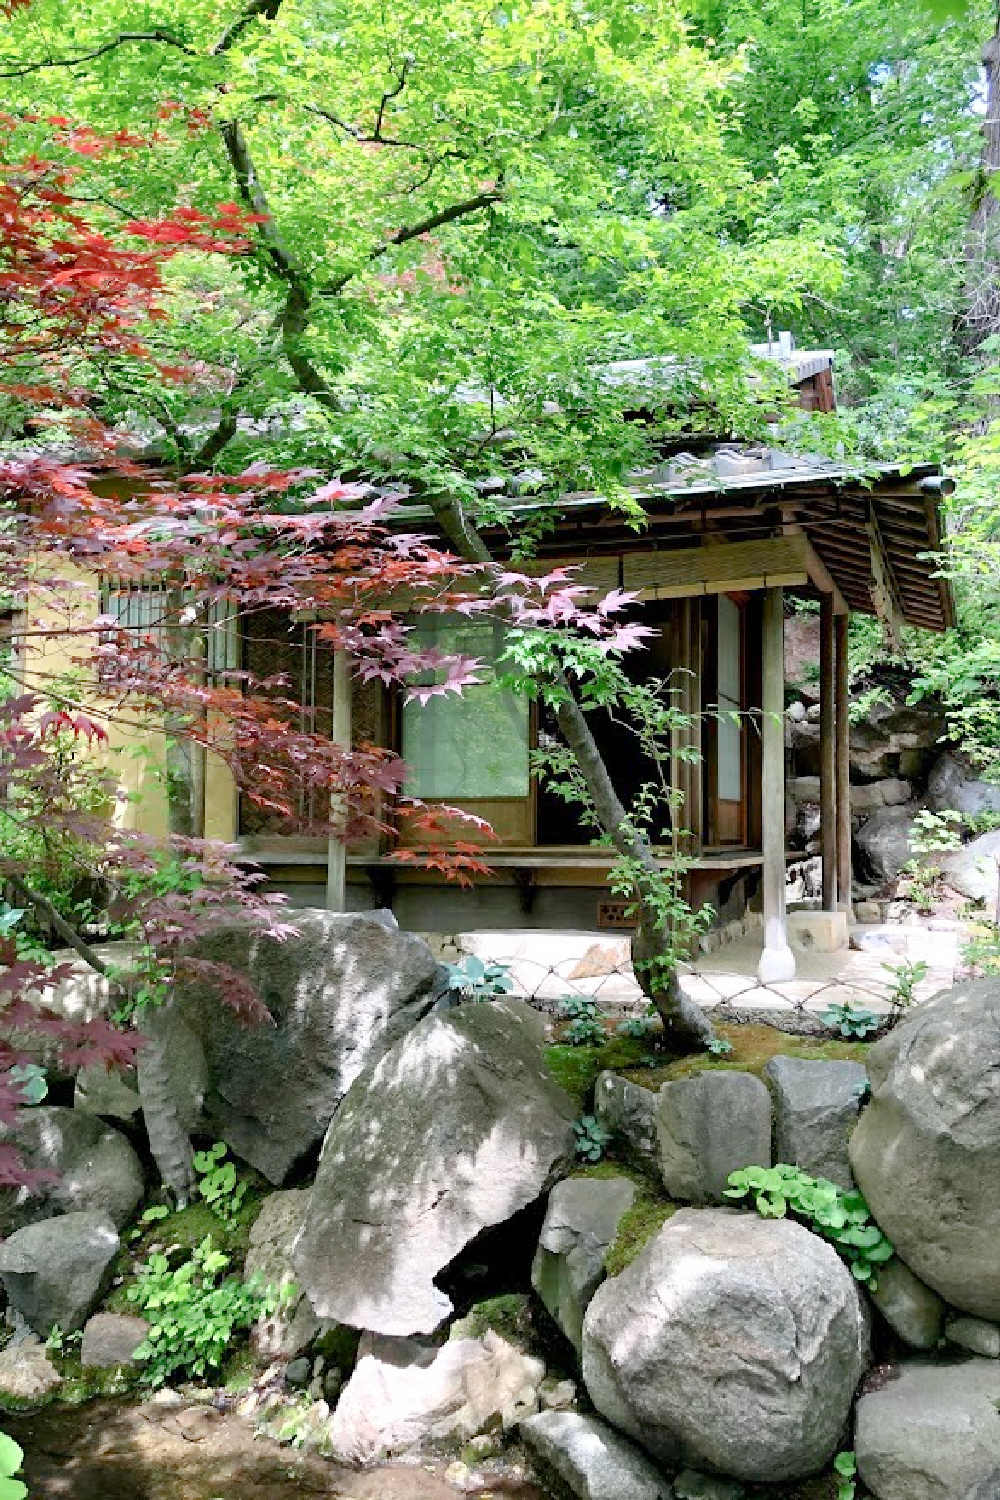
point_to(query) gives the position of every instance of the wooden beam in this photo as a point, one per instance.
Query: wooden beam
(777, 962)
(842, 740)
(828, 752)
(723, 567)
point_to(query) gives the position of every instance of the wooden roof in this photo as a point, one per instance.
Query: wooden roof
(873, 534)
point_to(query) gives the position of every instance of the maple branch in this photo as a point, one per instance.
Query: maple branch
(68, 934)
(123, 37)
(266, 8)
(414, 231)
(298, 303)
(387, 98)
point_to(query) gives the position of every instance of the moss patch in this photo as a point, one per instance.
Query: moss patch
(753, 1047)
(645, 1218)
(576, 1068)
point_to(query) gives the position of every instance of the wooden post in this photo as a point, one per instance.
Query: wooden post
(829, 824)
(336, 854)
(843, 761)
(777, 962)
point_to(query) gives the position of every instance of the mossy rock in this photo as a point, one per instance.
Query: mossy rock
(510, 1316)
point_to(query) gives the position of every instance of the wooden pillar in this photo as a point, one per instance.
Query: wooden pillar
(336, 854)
(843, 765)
(829, 823)
(777, 962)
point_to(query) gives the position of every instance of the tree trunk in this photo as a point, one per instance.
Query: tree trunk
(653, 958)
(169, 1141)
(981, 315)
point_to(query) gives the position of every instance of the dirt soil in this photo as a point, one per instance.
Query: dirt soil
(109, 1451)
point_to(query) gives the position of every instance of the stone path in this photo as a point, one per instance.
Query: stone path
(111, 1451)
(545, 966)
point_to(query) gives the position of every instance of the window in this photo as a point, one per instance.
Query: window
(729, 784)
(141, 608)
(472, 747)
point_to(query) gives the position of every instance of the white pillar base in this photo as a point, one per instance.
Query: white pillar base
(777, 965)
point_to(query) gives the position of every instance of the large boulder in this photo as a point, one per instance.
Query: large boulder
(926, 1149)
(90, 1167)
(581, 1223)
(816, 1107)
(405, 1393)
(54, 1272)
(708, 1127)
(453, 1130)
(953, 784)
(292, 1327)
(974, 870)
(731, 1343)
(339, 992)
(629, 1112)
(932, 1432)
(591, 1459)
(883, 842)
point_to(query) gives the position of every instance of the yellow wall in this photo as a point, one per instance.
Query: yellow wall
(136, 752)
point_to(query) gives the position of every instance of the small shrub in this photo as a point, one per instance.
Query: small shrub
(475, 981)
(932, 833)
(845, 1467)
(639, 1027)
(841, 1216)
(218, 1183)
(719, 1047)
(11, 1458)
(194, 1312)
(905, 978)
(591, 1137)
(850, 1020)
(982, 951)
(585, 1027)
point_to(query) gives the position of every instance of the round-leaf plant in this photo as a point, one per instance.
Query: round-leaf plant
(11, 1457)
(840, 1215)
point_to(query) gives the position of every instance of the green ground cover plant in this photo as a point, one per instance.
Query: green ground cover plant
(841, 1216)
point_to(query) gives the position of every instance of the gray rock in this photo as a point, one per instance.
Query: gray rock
(405, 1393)
(690, 1485)
(925, 1151)
(111, 1339)
(953, 784)
(974, 1334)
(911, 1309)
(581, 1222)
(55, 1272)
(732, 1344)
(299, 1373)
(107, 1092)
(455, 1129)
(805, 790)
(340, 992)
(867, 911)
(629, 1112)
(708, 1127)
(888, 793)
(889, 731)
(932, 1432)
(292, 1328)
(26, 1372)
(595, 1462)
(973, 870)
(883, 842)
(816, 1107)
(94, 1169)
